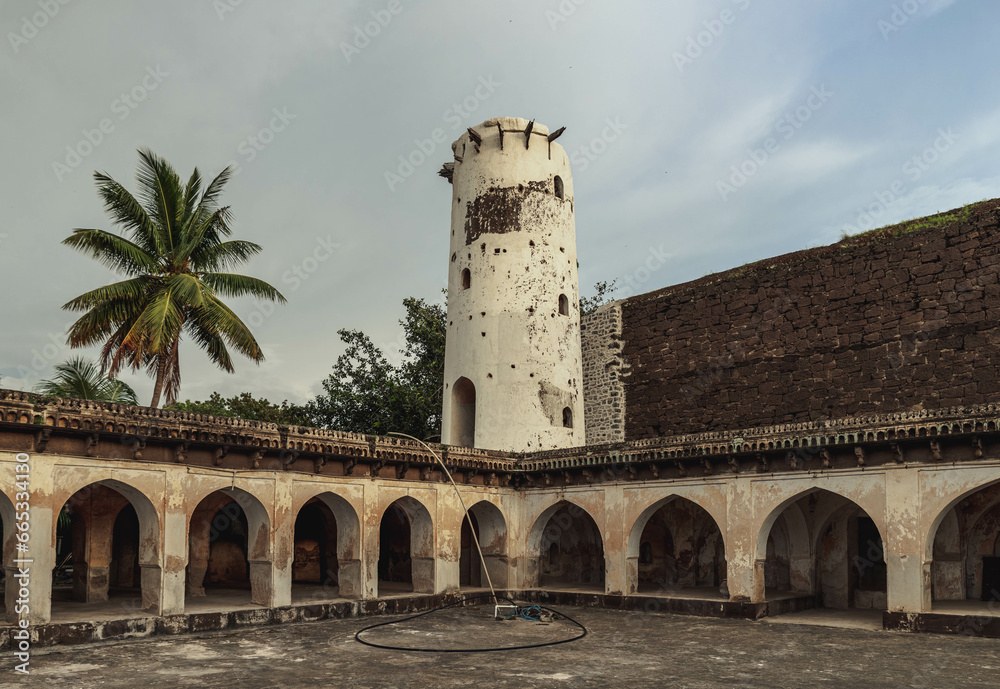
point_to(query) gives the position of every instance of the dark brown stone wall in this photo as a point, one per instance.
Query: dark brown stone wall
(899, 319)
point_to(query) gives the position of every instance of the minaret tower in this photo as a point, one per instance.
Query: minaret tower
(513, 371)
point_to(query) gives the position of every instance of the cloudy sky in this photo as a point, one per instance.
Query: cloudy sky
(703, 135)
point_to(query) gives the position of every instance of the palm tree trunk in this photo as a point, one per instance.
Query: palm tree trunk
(161, 369)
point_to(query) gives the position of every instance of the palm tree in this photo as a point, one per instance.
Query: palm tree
(81, 378)
(173, 253)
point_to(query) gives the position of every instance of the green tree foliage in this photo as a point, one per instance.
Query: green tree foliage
(602, 295)
(80, 378)
(175, 256)
(246, 406)
(368, 394)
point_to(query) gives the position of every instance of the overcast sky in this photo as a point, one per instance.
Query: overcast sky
(703, 135)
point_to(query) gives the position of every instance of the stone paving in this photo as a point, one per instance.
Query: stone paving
(622, 649)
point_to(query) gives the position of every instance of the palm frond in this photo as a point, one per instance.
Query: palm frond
(125, 210)
(225, 255)
(192, 195)
(218, 318)
(159, 325)
(120, 293)
(80, 378)
(162, 197)
(186, 289)
(204, 233)
(113, 251)
(233, 285)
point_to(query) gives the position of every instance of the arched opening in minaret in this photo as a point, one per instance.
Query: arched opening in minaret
(563, 305)
(567, 417)
(463, 413)
(559, 187)
(466, 279)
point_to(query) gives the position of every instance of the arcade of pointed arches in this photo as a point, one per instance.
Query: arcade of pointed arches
(109, 545)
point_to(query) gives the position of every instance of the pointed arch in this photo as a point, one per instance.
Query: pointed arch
(695, 531)
(219, 518)
(491, 530)
(565, 546)
(343, 568)
(412, 555)
(93, 511)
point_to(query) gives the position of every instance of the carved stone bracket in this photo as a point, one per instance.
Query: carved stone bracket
(92, 441)
(792, 459)
(935, 450)
(42, 439)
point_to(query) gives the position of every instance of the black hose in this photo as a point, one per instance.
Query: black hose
(357, 636)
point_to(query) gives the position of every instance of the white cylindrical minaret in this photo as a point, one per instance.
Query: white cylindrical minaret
(513, 371)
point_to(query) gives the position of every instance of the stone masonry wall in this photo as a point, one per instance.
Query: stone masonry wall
(603, 373)
(899, 319)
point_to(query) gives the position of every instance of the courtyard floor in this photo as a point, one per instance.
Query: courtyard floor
(622, 649)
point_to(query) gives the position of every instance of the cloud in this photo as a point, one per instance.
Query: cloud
(323, 175)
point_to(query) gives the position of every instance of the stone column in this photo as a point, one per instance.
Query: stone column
(908, 571)
(449, 519)
(614, 541)
(744, 574)
(175, 547)
(283, 544)
(36, 608)
(262, 583)
(349, 578)
(370, 525)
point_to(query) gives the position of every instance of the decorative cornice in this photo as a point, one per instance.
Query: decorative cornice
(953, 434)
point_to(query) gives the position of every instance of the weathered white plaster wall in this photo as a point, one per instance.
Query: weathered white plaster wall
(907, 503)
(506, 335)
